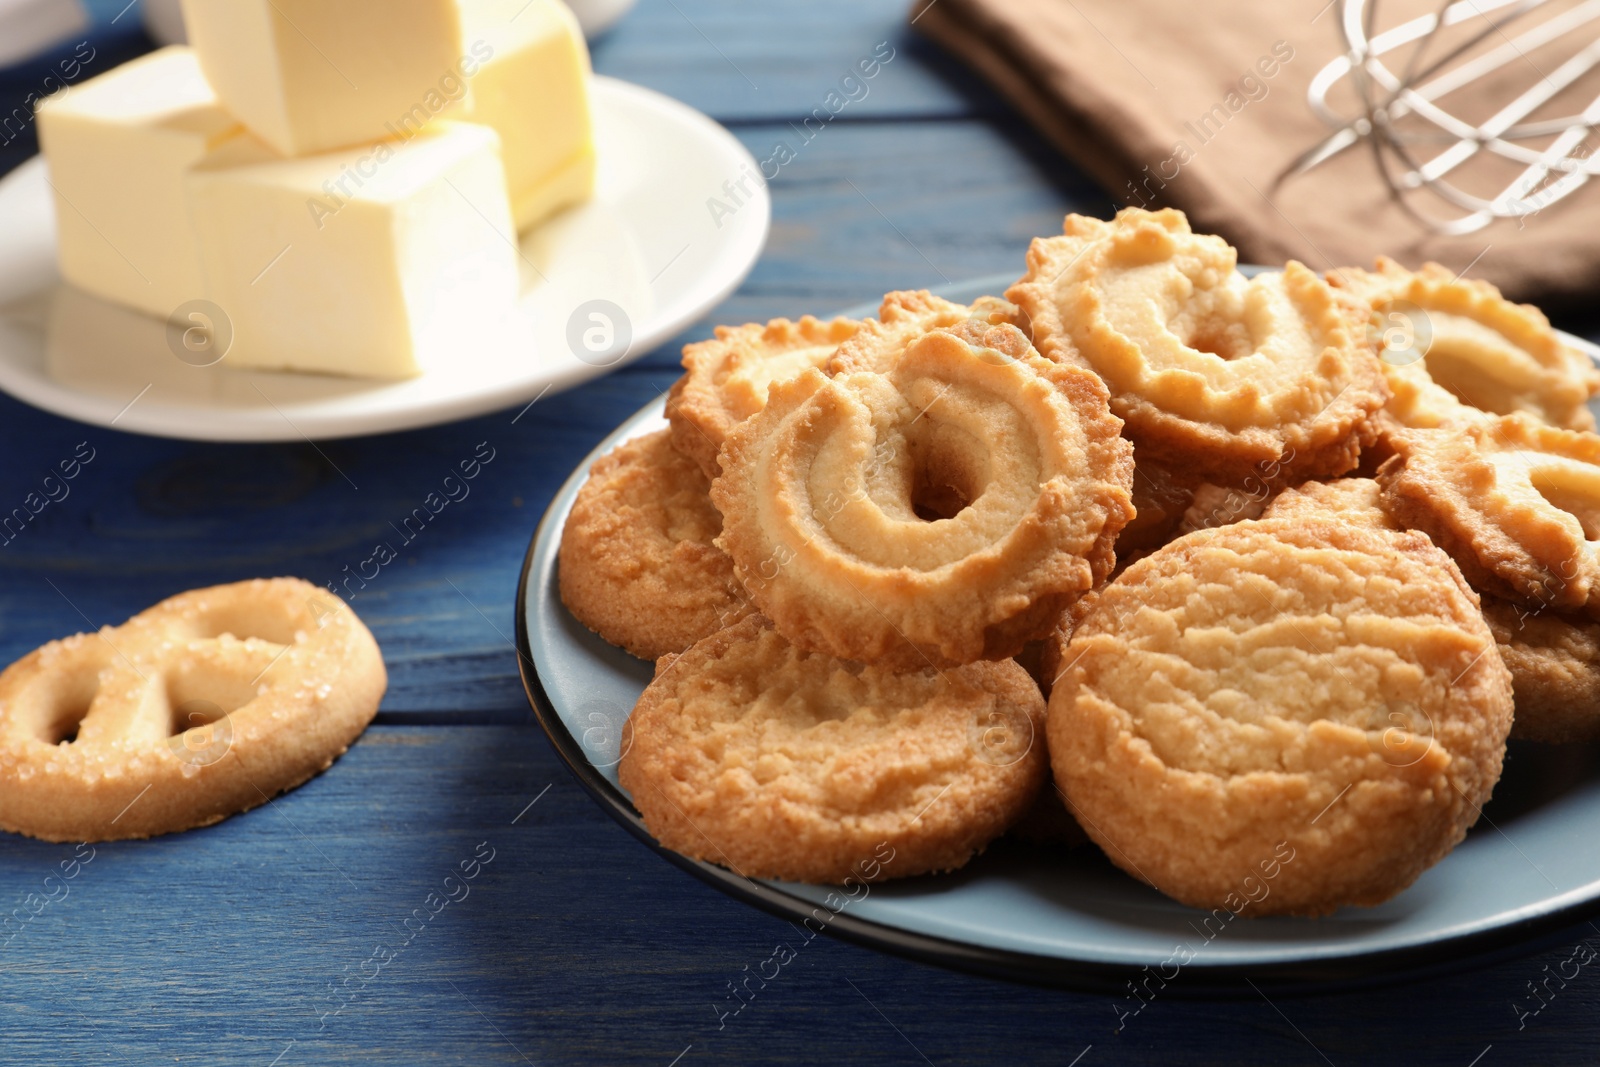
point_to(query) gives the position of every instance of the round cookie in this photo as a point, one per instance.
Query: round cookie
(778, 763)
(1282, 715)
(1215, 374)
(943, 512)
(208, 704)
(637, 563)
(1515, 503)
(1455, 350)
(726, 379)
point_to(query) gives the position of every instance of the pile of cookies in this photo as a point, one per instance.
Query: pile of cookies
(1284, 554)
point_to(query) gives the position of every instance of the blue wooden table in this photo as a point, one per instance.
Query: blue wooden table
(256, 941)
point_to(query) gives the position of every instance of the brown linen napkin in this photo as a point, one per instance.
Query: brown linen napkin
(1199, 106)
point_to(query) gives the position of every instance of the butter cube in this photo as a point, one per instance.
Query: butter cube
(118, 147)
(311, 75)
(533, 89)
(377, 262)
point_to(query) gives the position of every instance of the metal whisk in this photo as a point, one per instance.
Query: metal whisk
(1424, 151)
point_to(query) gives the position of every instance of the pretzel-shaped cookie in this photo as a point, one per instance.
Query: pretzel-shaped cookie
(207, 704)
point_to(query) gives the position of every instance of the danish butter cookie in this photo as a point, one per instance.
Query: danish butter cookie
(637, 563)
(1289, 715)
(1455, 349)
(1515, 502)
(208, 704)
(1213, 373)
(726, 379)
(942, 512)
(1555, 671)
(779, 763)
(1353, 500)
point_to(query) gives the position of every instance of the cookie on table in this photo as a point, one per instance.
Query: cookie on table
(1281, 715)
(205, 705)
(637, 564)
(777, 763)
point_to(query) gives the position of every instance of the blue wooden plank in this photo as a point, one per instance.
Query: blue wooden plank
(574, 945)
(864, 208)
(755, 62)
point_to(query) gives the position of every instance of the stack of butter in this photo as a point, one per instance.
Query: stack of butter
(343, 179)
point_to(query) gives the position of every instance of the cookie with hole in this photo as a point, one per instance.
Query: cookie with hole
(1515, 502)
(207, 704)
(1455, 350)
(1214, 373)
(944, 511)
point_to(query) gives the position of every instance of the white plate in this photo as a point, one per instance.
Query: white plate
(646, 243)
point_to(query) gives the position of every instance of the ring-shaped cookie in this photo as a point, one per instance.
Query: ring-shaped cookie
(1454, 349)
(944, 512)
(1220, 375)
(1515, 502)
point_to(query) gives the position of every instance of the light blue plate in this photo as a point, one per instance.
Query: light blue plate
(1529, 866)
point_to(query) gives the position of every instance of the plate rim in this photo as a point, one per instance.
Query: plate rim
(1342, 971)
(173, 422)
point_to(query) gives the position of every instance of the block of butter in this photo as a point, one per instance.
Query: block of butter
(118, 147)
(377, 262)
(308, 76)
(533, 89)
